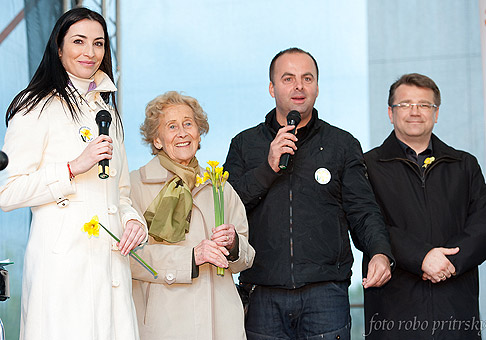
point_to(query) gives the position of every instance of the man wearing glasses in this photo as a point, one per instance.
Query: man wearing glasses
(433, 198)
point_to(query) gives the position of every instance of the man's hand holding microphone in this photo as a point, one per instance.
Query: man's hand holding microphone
(284, 143)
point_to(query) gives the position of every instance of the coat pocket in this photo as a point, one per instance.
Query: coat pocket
(62, 232)
(146, 315)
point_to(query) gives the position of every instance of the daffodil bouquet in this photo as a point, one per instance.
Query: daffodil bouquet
(218, 177)
(93, 229)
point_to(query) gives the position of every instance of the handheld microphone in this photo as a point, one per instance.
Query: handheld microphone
(3, 160)
(293, 118)
(103, 119)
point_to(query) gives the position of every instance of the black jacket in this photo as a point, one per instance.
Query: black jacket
(298, 227)
(444, 207)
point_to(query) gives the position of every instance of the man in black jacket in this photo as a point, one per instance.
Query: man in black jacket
(433, 198)
(299, 217)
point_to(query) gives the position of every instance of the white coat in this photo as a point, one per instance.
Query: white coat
(174, 306)
(74, 287)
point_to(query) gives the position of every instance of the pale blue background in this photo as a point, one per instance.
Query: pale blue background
(218, 51)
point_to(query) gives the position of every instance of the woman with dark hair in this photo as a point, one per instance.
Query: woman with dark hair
(74, 286)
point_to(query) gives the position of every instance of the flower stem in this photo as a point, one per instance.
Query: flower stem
(217, 218)
(150, 269)
(221, 203)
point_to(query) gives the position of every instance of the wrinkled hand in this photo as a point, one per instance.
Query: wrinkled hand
(224, 236)
(209, 252)
(284, 142)
(133, 235)
(379, 271)
(98, 149)
(436, 266)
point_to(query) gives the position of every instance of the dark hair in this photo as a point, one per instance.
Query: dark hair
(290, 50)
(51, 79)
(414, 79)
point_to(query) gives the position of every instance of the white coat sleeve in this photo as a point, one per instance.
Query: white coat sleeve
(28, 181)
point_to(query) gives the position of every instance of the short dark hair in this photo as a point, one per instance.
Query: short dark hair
(51, 78)
(290, 50)
(414, 79)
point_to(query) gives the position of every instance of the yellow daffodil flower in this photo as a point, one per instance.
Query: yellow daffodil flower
(92, 227)
(201, 180)
(428, 161)
(213, 164)
(218, 177)
(206, 177)
(218, 172)
(224, 177)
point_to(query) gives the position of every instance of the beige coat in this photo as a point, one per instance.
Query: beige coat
(174, 306)
(73, 287)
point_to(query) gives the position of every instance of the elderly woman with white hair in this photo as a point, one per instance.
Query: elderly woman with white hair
(188, 300)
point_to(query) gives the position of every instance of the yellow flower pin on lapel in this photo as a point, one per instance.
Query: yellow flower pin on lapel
(428, 161)
(85, 134)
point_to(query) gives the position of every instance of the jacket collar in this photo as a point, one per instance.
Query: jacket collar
(390, 149)
(101, 79)
(270, 118)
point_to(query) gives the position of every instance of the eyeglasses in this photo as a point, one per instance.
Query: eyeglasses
(422, 108)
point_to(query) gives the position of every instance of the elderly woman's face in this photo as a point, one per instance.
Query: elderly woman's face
(178, 133)
(83, 48)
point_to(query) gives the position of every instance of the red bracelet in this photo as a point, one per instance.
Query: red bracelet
(71, 176)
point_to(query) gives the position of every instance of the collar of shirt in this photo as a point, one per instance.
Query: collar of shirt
(412, 155)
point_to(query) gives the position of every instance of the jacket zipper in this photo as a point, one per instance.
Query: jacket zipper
(422, 177)
(291, 240)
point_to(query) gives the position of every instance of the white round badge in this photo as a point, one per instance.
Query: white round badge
(322, 176)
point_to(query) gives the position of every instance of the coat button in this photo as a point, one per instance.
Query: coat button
(115, 283)
(112, 209)
(169, 278)
(63, 203)
(113, 172)
(92, 106)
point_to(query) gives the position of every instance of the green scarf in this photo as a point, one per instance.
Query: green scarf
(169, 214)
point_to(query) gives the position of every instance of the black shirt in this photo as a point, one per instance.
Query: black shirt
(412, 155)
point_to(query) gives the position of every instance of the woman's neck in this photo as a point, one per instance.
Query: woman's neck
(82, 85)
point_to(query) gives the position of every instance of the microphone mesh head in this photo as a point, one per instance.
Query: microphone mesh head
(103, 116)
(3, 160)
(293, 117)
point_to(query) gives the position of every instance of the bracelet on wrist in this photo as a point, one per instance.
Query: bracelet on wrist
(71, 176)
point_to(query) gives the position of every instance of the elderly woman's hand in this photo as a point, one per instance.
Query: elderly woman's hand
(98, 149)
(224, 236)
(133, 235)
(209, 252)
